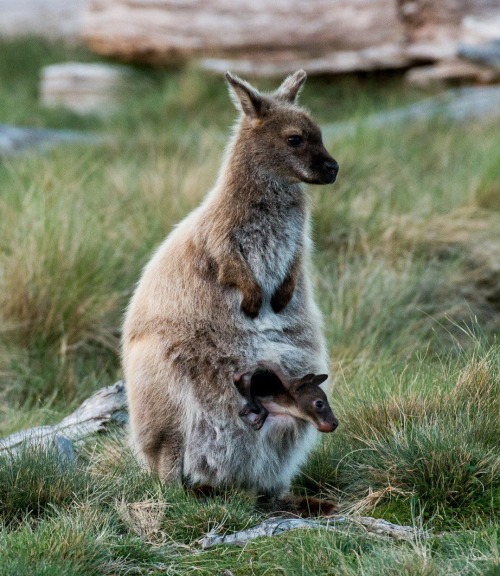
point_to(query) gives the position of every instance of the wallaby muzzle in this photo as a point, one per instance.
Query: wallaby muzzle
(331, 168)
(326, 170)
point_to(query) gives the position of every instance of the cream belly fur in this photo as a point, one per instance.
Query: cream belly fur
(206, 307)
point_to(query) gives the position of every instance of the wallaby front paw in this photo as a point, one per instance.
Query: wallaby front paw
(245, 411)
(249, 408)
(251, 304)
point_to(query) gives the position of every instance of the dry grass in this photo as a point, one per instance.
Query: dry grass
(144, 519)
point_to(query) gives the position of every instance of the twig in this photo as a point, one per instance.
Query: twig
(276, 526)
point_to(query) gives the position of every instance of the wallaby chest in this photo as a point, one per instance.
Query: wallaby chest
(272, 235)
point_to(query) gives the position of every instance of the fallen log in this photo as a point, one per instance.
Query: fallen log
(383, 56)
(276, 526)
(105, 407)
(280, 33)
(435, 28)
(262, 38)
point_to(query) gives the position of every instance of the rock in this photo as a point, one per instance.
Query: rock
(15, 140)
(83, 88)
(459, 104)
(487, 54)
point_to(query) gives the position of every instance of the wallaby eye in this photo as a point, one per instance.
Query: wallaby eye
(295, 141)
(319, 404)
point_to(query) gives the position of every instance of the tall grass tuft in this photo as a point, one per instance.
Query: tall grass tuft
(429, 439)
(57, 271)
(36, 481)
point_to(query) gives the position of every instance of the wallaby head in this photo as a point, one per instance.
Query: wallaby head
(278, 136)
(312, 402)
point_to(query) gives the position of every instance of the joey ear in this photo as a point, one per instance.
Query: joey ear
(298, 384)
(319, 378)
(291, 87)
(295, 388)
(244, 96)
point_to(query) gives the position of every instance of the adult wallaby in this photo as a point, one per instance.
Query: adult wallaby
(228, 288)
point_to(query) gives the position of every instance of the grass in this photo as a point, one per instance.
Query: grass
(407, 275)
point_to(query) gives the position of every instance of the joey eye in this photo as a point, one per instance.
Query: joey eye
(319, 404)
(295, 141)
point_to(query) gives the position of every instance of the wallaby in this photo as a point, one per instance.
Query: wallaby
(263, 388)
(229, 286)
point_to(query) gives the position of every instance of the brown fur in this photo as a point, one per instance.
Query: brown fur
(206, 304)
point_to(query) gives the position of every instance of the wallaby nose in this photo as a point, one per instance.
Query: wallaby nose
(332, 167)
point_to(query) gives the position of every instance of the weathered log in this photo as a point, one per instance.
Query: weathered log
(384, 56)
(106, 406)
(276, 526)
(274, 38)
(166, 31)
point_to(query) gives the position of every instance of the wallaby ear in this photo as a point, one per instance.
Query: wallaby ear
(244, 96)
(291, 87)
(319, 379)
